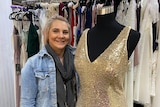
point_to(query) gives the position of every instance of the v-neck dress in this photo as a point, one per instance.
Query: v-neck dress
(101, 81)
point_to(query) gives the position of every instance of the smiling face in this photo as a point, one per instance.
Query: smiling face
(58, 35)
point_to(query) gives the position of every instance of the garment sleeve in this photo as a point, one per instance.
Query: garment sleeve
(154, 11)
(28, 86)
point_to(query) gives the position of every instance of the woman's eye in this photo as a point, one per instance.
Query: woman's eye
(65, 32)
(55, 30)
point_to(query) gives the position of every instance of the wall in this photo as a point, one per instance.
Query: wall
(7, 89)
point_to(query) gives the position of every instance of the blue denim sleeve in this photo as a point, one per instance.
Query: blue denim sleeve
(28, 86)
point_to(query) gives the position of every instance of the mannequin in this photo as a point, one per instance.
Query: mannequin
(106, 31)
(101, 60)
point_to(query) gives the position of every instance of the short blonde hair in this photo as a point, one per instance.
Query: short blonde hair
(48, 26)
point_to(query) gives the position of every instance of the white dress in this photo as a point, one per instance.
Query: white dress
(142, 88)
(42, 21)
(155, 101)
(126, 13)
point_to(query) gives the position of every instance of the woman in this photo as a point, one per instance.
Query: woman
(49, 77)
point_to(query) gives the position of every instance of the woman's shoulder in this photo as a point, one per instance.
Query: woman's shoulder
(38, 57)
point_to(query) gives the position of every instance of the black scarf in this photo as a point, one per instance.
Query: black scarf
(65, 75)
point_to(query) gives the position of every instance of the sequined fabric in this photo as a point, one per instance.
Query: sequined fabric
(102, 80)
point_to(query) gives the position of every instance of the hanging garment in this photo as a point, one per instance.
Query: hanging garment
(143, 83)
(33, 41)
(156, 68)
(42, 21)
(52, 9)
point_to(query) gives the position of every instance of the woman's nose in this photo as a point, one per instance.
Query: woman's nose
(61, 34)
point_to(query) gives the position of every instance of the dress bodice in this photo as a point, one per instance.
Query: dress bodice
(101, 81)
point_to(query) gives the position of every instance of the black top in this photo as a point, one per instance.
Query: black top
(105, 31)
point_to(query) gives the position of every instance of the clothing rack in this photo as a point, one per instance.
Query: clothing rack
(20, 11)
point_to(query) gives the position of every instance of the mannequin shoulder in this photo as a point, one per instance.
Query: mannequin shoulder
(132, 41)
(134, 36)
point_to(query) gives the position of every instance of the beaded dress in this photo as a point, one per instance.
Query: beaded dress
(101, 81)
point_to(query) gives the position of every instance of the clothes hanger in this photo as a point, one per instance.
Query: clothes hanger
(16, 9)
(76, 5)
(82, 2)
(12, 15)
(19, 16)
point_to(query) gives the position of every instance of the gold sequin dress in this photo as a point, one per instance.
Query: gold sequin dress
(102, 80)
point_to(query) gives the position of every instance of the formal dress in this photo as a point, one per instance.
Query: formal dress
(102, 81)
(144, 87)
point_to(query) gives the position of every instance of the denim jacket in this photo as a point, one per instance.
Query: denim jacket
(38, 81)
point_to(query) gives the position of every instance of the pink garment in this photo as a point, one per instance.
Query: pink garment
(17, 46)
